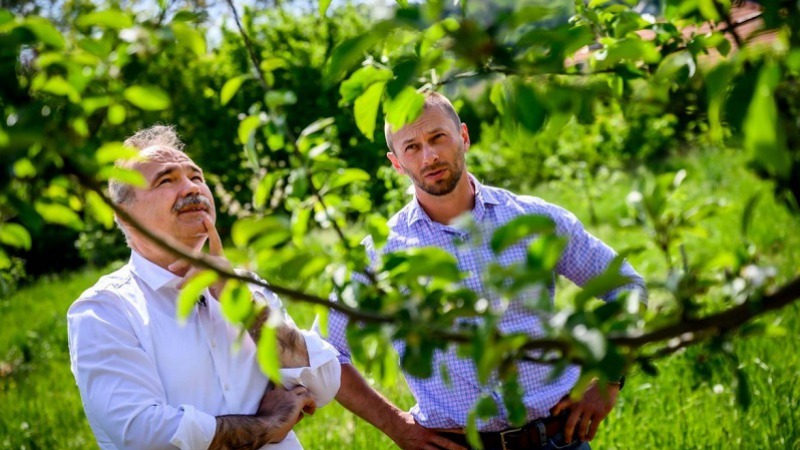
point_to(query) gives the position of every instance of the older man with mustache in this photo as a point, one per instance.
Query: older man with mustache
(150, 381)
(431, 152)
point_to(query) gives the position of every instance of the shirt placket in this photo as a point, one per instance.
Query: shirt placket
(217, 343)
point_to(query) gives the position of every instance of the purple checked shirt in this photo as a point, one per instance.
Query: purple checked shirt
(446, 405)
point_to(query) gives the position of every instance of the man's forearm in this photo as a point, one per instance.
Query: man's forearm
(358, 396)
(241, 432)
(291, 343)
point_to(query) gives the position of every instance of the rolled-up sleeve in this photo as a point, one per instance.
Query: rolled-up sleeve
(323, 375)
(121, 392)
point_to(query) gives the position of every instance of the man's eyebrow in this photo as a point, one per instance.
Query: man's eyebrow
(164, 171)
(413, 139)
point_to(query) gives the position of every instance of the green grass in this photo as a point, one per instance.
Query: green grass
(40, 407)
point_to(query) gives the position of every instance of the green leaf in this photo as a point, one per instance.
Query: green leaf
(59, 214)
(276, 98)
(190, 37)
(5, 261)
(191, 291)
(5, 16)
(247, 128)
(109, 19)
(99, 209)
(764, 138)
(345, 177)
(747, 213)
(323, 7)
(44, 31)
(545, 252)
(520, 228)
(366, 109)
(111, 152)
(15, 235)
(59, 86)
(351, 51)
(268, 353)
(246, 230)
(405, 108)
(486, 407)
(512, 398)
(300, 219)
(236, 302)
(24, 168)
(116, 114)
(148, 98)
(413, 263)
(473, 437)
(362, 79)
(231, 87)
(127, 176)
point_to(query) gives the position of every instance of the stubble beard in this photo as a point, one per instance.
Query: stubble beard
(443, 186)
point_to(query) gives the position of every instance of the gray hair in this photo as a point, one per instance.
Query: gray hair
(162, 135)
(433, 99)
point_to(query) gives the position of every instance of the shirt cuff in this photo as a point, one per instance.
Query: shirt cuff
(323, 375)
(196, 430)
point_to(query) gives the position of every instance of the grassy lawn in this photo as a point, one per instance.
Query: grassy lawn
(40, 407)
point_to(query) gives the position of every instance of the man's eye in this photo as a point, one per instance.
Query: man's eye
(198, 178)
(163, 181)
(412, 147)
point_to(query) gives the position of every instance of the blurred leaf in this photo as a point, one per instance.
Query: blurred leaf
(323, 7)
(44, 31)
(247, 128)
(191, 291)
(23, 168)
(268, 353)
(5, 16)
(59, 214)
(545, 251)
(512, 398)
(60, 86)
(300, 219)
(405, 108)
(236, 302)
(110, 152)
(366, 109)
(108, 19)
(190, 37)
(764, 138)
(148, 98)
(246, 230)
(473, 437)
(316, 126)
(276, 98)
(99, 210)
(127, 176)
(15, 235)
(116, 114)
(345, 177)
(520, 228)
(747, 213)
(486, 407)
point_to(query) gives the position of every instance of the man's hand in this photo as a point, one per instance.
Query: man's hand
(216, 257)
(284, 408)
(413, 436)
(586, 414)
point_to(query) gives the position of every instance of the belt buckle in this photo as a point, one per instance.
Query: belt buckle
(503, 435)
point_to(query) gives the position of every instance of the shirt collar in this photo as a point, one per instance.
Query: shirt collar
(154, 276)
(483, 197)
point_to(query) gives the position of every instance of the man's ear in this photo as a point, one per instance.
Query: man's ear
(395, 163)
(465, 136)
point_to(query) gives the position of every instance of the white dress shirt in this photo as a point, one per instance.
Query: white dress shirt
(150, 382)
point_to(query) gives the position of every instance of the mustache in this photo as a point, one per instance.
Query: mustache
(435, 167)
(191, 200)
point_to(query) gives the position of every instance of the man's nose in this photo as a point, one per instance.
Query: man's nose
(429, 155)
(189, 187)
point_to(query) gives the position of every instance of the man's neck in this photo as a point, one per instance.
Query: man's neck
(445, 208)
(160, 257)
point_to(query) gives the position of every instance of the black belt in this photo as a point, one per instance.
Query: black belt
(532, 436)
